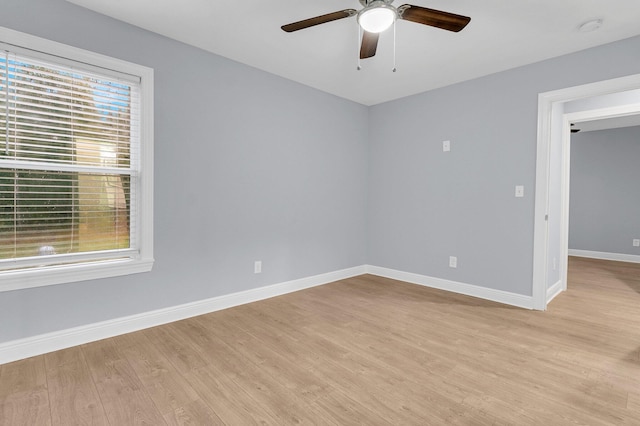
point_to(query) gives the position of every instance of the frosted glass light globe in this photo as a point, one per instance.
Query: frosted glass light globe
(376, 19)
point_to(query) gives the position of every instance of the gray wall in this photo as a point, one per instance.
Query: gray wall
(248, 166)
(425, 205)
(604, 212)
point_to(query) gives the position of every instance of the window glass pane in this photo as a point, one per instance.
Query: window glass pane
(54, 212)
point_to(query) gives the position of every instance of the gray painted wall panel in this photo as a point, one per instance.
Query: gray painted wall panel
(246, 168)
(604, 212)
(426, 205)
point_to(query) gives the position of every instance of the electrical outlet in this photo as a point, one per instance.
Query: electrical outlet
(636, 243)
(257, 267)
(453, 262)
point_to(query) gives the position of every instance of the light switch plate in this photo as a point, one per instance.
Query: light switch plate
(446, 146)
(519, 191)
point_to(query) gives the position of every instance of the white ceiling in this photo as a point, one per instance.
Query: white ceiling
(502, 34)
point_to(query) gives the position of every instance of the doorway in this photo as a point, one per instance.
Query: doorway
(556, 111)
(604, 210)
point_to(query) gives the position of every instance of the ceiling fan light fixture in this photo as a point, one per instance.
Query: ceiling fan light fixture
(377, 17)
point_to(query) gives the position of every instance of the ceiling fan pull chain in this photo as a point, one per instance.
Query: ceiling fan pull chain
(394, 45)
(358, 45)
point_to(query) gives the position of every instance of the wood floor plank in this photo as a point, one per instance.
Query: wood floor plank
(165, 385)
(266, 355)
(195, 413)
(281, 404)
(124, 398)
(365, 350)
(286, 367)
(340, 409)
(323, 366)
(279, 401)
(633, 401)
(357, 370)
(74, 397)
(24, 399)
(177, 347)
(227, 399)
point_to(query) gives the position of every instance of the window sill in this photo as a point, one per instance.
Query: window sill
(51, 275)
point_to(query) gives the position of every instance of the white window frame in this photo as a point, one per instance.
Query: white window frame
(143, 260)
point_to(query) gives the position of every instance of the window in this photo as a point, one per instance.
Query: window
(75, 164)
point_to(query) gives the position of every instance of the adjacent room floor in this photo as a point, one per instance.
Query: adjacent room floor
(366, 350)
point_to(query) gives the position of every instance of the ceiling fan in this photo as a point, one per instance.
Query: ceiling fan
(379, 15)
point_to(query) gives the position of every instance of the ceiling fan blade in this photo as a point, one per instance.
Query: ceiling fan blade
(369, 44)
(306, 23)
(435, 18)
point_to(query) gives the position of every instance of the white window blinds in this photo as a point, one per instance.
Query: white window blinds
(69, 162)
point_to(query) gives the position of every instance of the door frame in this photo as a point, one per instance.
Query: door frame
(546, 103)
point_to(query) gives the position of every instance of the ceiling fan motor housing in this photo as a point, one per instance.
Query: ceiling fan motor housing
(366, 3)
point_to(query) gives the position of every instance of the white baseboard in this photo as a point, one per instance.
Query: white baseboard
(500, 296)
(554, 290)
(619, 257)
(49, 342)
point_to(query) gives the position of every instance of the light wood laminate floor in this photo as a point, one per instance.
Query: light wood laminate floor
(366, 350)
